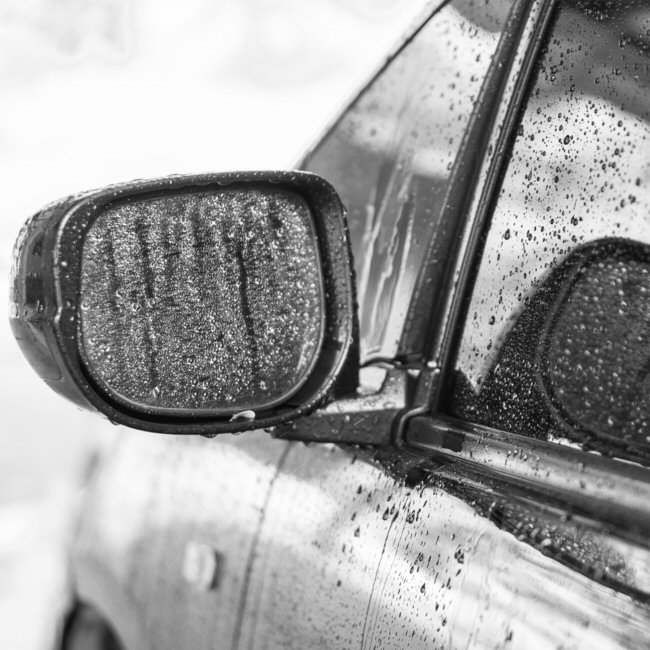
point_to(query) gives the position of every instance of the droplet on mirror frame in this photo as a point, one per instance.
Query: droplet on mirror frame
(243, 415)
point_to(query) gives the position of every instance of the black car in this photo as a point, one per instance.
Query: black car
(463, 348)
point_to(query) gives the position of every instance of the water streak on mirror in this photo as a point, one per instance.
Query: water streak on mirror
(208, 300)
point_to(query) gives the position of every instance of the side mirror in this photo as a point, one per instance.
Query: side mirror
(595, 361)
(576, 363)
(198, 304)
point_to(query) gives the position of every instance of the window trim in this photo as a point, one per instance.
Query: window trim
(475, 179)
(472, 192)
(554, 485)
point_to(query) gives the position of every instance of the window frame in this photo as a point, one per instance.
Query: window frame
(476, 179)
(509, 477)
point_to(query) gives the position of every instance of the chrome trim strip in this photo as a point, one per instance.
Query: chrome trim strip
(609, 491)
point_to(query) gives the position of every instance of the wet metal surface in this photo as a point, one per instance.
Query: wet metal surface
(324, 552)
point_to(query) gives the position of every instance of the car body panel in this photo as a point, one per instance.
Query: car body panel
(325, 551)
(131, 535)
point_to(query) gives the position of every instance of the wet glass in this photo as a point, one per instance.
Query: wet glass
(207, 301)
(390, 158)
(595, 365)
(579, 171)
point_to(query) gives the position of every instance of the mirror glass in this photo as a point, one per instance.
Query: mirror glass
(202, 302)
(598, 348)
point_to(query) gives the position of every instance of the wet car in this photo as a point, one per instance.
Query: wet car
(444, 388)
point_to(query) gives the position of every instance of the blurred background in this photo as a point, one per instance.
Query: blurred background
(94, 92)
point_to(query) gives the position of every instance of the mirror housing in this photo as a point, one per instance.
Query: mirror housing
(191, 304)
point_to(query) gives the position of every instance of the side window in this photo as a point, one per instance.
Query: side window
(556, 342)
(390, 158)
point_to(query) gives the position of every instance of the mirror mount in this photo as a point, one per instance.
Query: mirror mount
(362, 419)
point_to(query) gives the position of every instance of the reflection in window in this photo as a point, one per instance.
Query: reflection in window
(579, 172)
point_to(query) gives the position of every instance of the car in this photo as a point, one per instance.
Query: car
(443, 387)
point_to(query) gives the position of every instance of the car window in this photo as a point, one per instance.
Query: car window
(555, 339)
(390, 157)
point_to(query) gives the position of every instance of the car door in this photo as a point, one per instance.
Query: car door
(444, 541)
